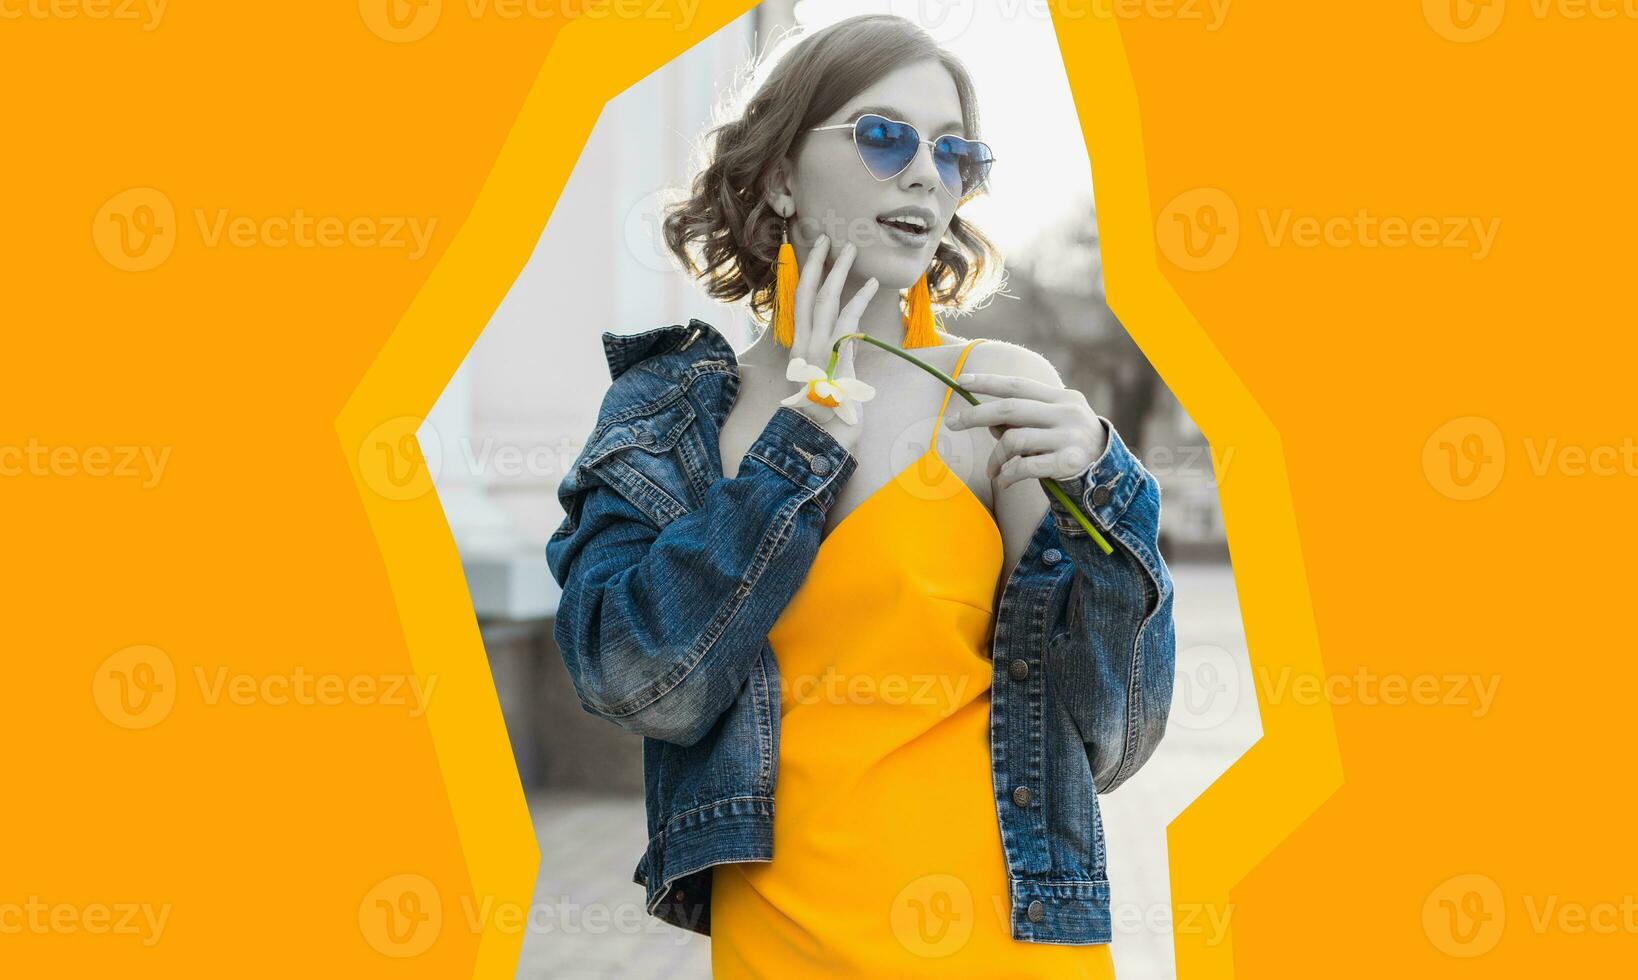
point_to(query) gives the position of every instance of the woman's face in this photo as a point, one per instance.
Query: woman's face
(835, 195)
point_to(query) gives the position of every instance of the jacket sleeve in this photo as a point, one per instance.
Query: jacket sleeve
(1118, 614)
(659, 628)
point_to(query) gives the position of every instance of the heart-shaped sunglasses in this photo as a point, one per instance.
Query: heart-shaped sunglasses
(887, 146)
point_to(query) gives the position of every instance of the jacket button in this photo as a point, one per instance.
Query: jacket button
(1101, 495)
(821, 465)
(1037, 911)
(1051, 556)
(645, 437)
(1018, 669)
(680, 896)
(1020, 795)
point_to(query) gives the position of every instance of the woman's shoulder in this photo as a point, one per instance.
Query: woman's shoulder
(1005, 357)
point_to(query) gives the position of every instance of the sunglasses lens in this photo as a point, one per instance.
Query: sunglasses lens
(885, 146)
(962, 164)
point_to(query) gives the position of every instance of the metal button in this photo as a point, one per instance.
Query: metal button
(1101, 495)
(681, 895)
(1037, 911)
(821, 465)
(1020, 795)
(1018, 669)
(1051, 556)
(644, 436)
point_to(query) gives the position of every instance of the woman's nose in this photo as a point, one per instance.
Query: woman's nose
(922, 171)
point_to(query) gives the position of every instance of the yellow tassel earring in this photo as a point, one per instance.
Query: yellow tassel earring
(785, 290)
(918, 316)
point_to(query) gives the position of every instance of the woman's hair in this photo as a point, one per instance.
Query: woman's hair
(725, 217)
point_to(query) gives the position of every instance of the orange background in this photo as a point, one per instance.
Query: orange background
(278, 537)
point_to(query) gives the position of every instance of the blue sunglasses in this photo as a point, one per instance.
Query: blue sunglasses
(887, 146)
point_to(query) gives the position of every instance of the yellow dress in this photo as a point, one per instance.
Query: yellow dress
(887, 856)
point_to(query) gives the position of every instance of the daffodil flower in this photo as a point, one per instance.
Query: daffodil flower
(841, 395)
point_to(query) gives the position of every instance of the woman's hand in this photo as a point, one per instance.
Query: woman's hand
(820, 320)
(1042, 431)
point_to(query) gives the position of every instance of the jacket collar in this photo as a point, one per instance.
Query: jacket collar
(695, 341)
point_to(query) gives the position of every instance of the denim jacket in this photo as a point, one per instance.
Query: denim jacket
(673, 575)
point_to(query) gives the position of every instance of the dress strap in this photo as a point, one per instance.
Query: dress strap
(933, 439)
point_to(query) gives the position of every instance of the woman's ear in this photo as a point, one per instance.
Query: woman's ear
(778, 192)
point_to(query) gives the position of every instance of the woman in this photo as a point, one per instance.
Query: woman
(880, 672)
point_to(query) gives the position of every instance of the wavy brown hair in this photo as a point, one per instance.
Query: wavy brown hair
(724, 230)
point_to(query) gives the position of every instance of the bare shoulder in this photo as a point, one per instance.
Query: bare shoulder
(1005, 357)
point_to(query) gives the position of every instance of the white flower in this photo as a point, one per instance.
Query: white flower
(841, 395)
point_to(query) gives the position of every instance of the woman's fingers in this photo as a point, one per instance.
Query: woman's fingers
(847, 321)
(827, 301)
(1006, 384)
(1009, 412)
(807, 284)
(1022, 442)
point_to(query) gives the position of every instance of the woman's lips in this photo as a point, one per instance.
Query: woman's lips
(900, 236)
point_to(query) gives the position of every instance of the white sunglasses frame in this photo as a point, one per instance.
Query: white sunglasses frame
(854, 126)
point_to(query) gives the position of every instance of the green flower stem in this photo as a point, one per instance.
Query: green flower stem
(1051, 484)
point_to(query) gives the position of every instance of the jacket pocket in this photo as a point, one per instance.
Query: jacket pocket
(640, 455)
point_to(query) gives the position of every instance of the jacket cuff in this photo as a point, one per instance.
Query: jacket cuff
(1103, 490)
(802, 451)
